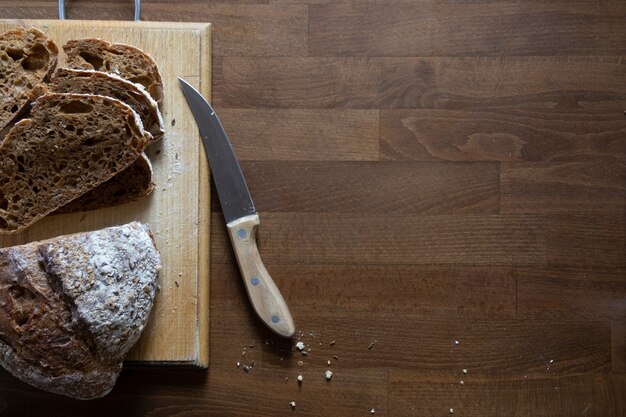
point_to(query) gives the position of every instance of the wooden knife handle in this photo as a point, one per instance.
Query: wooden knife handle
(266, 299)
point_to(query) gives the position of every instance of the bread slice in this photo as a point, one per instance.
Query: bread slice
(27, 58)
(132, 184)
(71, 144)
(66, 80)
(126, 61)
(71, 307)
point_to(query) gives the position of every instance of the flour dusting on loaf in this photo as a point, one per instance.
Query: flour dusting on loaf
(109, 276)
(72, 307)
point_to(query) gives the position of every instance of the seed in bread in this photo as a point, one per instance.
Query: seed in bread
(71, 144)
(71, 307)
(126, 61)
(27, 58)
(66, 80)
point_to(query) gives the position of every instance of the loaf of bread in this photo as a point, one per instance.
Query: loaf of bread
(66, 80)
(27, 58)
(71, 307)
(126, 61)
(71, 144)
(132, 184)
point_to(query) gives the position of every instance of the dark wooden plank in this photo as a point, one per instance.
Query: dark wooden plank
(263, 392)
(425, 83)
(569, 290)
(579, 395)
(302, 134)
(242, 30)
(374, 187)
(426, 342)
(433, 28)
(618, 346)
(587, 240)
(232, 392)
(238, 29)
(503, 135)
(395, 288)
(330, 238)
(563, 187)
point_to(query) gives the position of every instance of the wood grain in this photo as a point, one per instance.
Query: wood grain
(571, 187)
(333, 238)
(587, 240)
(433, 28)
(423, 83)
(177, 328)
(374, 187)
(503, 135)
(487, 345)
(502, 226)
(471, 290)
(591, 291)
(322, 135)
(579, 395)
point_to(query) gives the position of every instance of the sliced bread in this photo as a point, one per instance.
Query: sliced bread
(126, 61)
(27, 58)
(132, 184)
(71, 144)
(66, 80)
(71, 307)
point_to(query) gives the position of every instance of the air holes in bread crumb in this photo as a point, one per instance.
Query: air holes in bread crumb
(95, 61)
(75, 106)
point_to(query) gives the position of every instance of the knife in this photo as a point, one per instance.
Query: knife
(241, 217)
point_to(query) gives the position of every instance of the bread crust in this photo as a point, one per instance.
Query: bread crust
(71, 307)
(124, 60)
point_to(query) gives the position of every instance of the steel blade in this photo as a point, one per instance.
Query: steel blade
(229, 180)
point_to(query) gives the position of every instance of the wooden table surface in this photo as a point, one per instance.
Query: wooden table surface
(426, 172)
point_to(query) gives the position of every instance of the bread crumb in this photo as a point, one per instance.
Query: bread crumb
(332, 343)
(451, 411)
(465, 371)
(238, 364)
(551, 360)
(372, 411)
(456, 342)
(328, 362)
(329, 375)
(292, 404)
(300, 378)
(300, 346)
(461, 382)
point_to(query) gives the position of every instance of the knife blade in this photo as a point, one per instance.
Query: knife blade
(242, 220)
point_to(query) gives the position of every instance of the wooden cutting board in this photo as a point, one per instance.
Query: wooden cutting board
(178, 210)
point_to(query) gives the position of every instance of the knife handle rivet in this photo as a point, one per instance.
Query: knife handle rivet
(275, 318)
(254, 281)
(241, 233)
